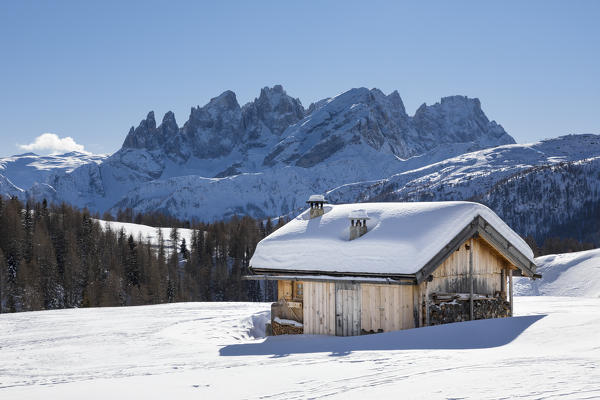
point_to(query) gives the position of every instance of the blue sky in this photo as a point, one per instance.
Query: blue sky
(91, 70)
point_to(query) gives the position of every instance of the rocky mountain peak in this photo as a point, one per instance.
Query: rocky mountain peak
(459, 119)
(150, 137)
(396, 100)
(150, 121)
(138, 137)
(225, 101)
(169, 118)
(267, 92)
(273, 109)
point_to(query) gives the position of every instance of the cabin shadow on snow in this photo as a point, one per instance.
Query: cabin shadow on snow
(478, 334)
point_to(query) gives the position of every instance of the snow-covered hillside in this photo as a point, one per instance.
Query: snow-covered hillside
(266, 157)
(551, 200)
(537, 188)
(206, 350)
(570, 274)
(25, 170)
(148, 233)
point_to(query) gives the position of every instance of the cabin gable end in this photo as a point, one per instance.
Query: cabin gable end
(478, 227)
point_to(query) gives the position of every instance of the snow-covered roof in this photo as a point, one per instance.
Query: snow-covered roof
(358, 214)
(316, 197)
(401, 238)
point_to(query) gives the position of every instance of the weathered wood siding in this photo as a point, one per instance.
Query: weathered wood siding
(387, 308)
(319, 308)
(284, 290)
(289, 290)
(452, 276)
(345, 309)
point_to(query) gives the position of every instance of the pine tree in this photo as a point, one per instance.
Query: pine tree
(183, 249)
(132, 271)
(3, 274)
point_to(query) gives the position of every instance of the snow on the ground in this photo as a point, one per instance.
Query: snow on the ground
(146, 232)
(568, 274)
(210, 350)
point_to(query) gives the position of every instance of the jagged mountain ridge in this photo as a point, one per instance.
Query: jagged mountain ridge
(238, 136)
(272, 147)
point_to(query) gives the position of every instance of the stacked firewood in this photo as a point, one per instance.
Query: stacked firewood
(446, 310)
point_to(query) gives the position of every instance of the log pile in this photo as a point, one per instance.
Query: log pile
(286, 310)
(284, 329)
(455, 308)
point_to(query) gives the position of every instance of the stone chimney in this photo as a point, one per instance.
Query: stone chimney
(358, 223)
(316, 202)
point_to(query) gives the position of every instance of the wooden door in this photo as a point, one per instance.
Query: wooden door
(347, 309)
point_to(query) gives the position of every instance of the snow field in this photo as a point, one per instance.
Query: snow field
(206, 350)
(569, 274)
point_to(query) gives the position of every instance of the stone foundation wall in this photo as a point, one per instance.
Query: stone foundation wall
(459, 310)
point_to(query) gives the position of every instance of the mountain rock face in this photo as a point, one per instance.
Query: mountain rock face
(266, 157)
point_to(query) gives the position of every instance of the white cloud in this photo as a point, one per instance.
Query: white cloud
(52, 144)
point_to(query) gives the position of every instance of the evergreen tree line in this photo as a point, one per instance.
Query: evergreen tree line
(56, 256)
(151, 219)
(557, 245)
(558, 205)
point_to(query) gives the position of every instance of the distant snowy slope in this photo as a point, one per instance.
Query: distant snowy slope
(536, 188)
(147, 233)
(569, 274)
(25, 170)
(8, 189)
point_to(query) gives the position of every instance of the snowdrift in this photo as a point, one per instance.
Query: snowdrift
(569, 274)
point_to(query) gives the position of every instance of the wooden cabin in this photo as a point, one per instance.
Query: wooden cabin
(354, 269)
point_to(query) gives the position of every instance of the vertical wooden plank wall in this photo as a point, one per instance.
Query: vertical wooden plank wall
(319, 308)
(387, 307)
(284, 290)
(453, 276)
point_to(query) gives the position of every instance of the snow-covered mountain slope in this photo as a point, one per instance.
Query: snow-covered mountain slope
(8, 189)
(536, 187)
(266, 157)
(569, 274)
(473, 174)
(207, 350)
(559, 200)
(25, 170)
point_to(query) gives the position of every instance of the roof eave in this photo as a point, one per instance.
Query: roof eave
(275, 272)
(330, 278)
